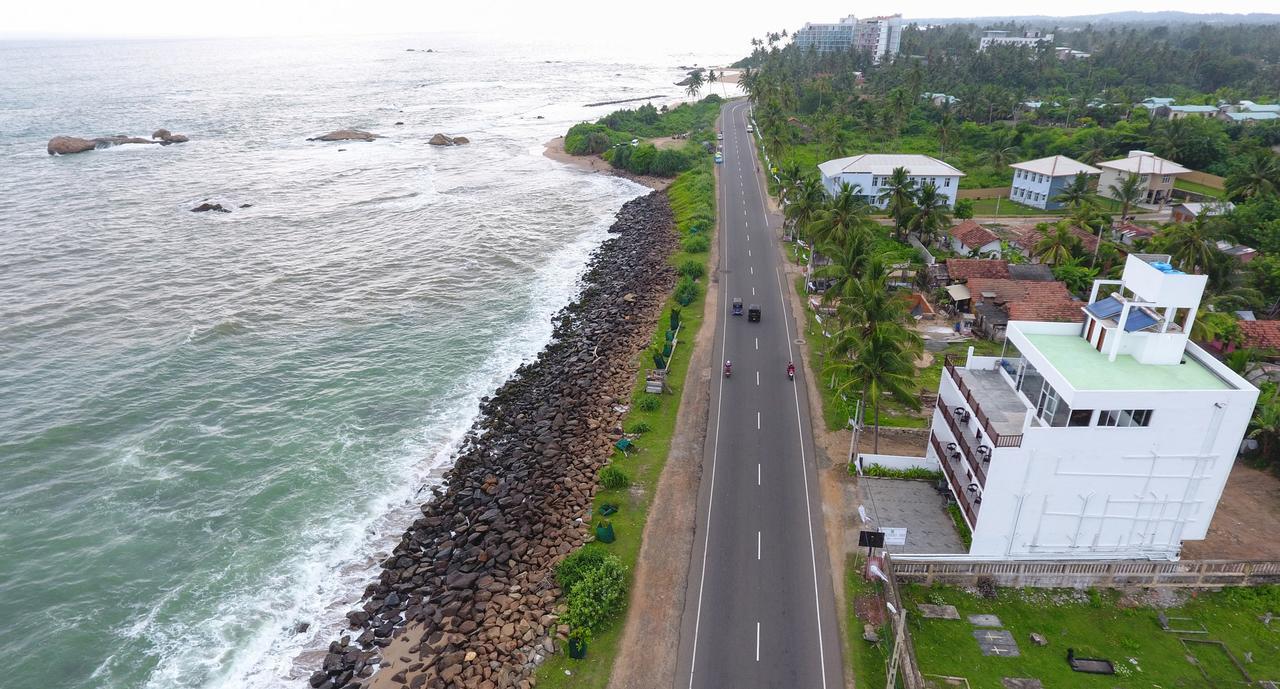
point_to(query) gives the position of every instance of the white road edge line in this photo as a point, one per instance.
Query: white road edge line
(808, 511)
(715, 451)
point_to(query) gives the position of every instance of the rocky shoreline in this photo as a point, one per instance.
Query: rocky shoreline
(468, 597)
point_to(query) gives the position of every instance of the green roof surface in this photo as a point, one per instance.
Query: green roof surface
(1088, 369)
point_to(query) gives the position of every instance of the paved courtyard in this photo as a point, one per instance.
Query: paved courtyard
(915, 506)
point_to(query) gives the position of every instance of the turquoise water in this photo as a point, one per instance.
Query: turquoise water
(211, 424)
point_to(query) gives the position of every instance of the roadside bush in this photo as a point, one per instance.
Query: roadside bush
(692, 269)
(695, 244)
(613, 478)
(914, 473)
(596, 597)
(576, 565)
(648, 402)
(964, 209)
(640, 427)
(686, 291)
(585, 138)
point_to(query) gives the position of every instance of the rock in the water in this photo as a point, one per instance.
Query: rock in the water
(167, 137)
(177, 139)
(246, 205)
(161, 134)
(399, 123)
(66, 145)
(346, 135)
(441, 140)
(206, 206)
(459, 140)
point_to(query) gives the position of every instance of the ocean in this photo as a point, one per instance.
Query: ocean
(211, 424)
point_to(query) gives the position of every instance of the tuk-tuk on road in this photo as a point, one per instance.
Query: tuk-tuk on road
(737, 306)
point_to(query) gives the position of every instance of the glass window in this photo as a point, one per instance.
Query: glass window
(946, 182)
(1080, 417)
(1124, 418)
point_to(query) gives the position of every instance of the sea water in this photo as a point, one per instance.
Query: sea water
(212, 424)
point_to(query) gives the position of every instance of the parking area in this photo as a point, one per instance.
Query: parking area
(915, 506)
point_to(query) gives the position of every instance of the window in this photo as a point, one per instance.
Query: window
(946, 182)
(1165, 179)
(1124, 418)
(1080, 417)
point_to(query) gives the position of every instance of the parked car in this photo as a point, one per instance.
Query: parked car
(719, 135)
(719, 158)
(635, 142)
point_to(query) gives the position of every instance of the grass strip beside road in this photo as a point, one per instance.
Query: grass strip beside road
(692, 196)
(864, 661)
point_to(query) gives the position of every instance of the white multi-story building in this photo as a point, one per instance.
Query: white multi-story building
(1110, 438)
(1156, 173)
(1038, 183)
(880, 36)
(870, 172)
(1029, 39)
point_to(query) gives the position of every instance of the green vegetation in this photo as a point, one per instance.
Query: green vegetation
(1099, 624)
(692, 198)
(612, 134)
(596, 593)
(991, 208)
(613, 478)
(962, 528)
(864, 662)
(1196, 188)
(913, 474)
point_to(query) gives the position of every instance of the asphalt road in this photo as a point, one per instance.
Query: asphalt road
(759, 609)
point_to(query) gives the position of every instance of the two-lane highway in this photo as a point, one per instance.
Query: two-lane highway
(759, 609)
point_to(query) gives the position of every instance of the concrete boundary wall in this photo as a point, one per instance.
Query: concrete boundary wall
(898, 462)
(1204, 574)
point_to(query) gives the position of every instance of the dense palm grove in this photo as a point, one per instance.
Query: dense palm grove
(812, 107)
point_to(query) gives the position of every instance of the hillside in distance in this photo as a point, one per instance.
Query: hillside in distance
(1128, 17)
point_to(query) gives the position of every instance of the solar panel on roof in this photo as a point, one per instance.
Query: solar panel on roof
(1105, 308)
(1138, 320)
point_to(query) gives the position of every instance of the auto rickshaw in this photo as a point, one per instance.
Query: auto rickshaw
(753, 313)
(737, 306)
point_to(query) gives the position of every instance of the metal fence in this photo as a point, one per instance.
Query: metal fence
(1204, 574)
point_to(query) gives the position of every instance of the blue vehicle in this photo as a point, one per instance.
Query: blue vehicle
(719, 158)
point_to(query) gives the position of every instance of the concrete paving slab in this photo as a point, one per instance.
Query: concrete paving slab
(996, 642)
(915, 506)
(1021, 683)
(985, 621)
(938, 612)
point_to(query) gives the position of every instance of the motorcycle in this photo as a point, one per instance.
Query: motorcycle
(728, 369)
(791, 372)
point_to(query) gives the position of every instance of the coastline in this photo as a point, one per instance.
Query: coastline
(554, 149)
(468, 597)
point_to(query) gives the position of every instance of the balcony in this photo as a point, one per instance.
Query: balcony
(1004, 412)
(955, 472)
(977, 453)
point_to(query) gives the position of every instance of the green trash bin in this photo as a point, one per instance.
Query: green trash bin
(577, 648)
(604, 531)
(608, 509)
(666, 350)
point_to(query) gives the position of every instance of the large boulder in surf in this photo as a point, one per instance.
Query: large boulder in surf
(446, 140)
(346, 135)
(166, 137)
(66, 145)
(161, 134)
(459, 140)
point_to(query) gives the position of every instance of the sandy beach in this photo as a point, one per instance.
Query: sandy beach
(594, 163)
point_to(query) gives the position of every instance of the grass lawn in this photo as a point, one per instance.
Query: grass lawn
(984, 208)
(644, 467)
(865, 662)
(1098, 625)
(1196, 188)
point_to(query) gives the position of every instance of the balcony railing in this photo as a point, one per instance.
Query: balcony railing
(962, 442)
(956, 486)
(997, 439)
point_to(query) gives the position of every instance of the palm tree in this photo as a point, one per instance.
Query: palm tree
(883, 364)
(1128, 192)
(844, 215)
(1003, 149)
(805, 206)
(1259, 176)
(1058, 246)
(946, 129)
(1076, 193)
(1265, 424)
(1214, 325)
(712, 78)
(898, 195)
(930, 214)
(695, 84)
(1191, 245)
(848, 264)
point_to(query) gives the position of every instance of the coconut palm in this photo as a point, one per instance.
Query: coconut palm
(930, 215)
(712, 78)
(1191, 245)
(1259, 176)
(1003, 149)
(845, 214)
(1057, 246)
(1129, 191)
(883, 364)
(805, 205)
(849, 261)
(1076, 193)
(695, 84)
(1265, 425)
(946, 129)
(1211, 326)
(898, 194)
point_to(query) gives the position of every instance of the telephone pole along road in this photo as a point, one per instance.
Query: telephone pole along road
(759, 609)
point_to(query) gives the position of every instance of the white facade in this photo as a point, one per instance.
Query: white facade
(880, 36)
(1111, 439)
(1157, 175)
(1037, 183)
(1030, 39)
(870, 174)
(826, 37)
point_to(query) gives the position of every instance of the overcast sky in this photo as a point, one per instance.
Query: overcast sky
(714, 22)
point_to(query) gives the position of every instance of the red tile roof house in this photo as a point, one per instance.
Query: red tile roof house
(1259, 335)
(995, 302)
(1026, 237)
(960, 269)
(971, 239)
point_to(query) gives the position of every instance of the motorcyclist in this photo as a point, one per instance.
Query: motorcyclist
(728, 367)
(791, 370)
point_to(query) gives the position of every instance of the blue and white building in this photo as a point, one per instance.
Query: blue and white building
(836, 37)
(1037, 183)
(870, 173)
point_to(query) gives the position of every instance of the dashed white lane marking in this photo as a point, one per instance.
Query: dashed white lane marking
(752, 269)
(748, 253)
(757, 474)
(757, 377)
(757, 421)
(757, 546)
(748, 238)
(753, 291)
(757, 344)
(757, 642)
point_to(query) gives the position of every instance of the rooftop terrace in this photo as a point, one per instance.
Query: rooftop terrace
(1087, 369)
